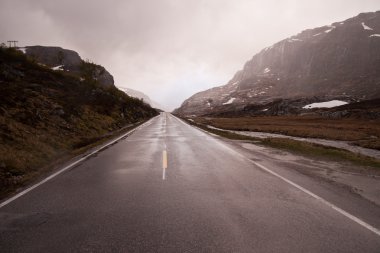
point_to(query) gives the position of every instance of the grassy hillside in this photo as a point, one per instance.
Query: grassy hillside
(47, 115)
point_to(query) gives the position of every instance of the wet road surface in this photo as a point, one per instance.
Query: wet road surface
(170, 187)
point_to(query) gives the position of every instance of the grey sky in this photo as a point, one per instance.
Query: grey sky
(168, 49)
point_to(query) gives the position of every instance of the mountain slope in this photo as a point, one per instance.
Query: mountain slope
(143, 96)
(48, 115)
(341, 60)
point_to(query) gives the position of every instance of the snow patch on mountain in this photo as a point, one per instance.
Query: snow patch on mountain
(229, 101)
(59, 67)
(267, 48)
(293, 40)
(328, 104)
(366, 27)
(331, 28)
(22, 49)
(374, 35)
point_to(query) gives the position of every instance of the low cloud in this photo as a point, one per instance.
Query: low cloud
(169, 49)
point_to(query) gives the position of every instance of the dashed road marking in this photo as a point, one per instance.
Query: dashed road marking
(164, 164)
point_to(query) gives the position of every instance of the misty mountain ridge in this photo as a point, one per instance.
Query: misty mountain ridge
(338, 61)
(143, 96)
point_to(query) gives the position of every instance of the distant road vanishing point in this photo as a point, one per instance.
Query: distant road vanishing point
(170, 187)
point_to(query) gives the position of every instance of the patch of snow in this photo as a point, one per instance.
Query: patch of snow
(317, 34)
(328, 104)
(265, 110)
(59, 67)
(235, 83)
(374, 35)
(341, 23)
(294, 39)
(22, 49)
(266, 70)
(229, 101)
(208, 104)
(278, 79)
(366, 27)
(263, 92)
(191, 120)
(81, 79)
(331, 28)
(267, 48)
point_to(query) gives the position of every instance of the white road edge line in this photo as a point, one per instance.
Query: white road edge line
(331, 205)
(6, 202)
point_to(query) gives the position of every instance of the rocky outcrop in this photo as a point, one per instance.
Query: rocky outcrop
(67, 60)
(341, 59)
(55, 56)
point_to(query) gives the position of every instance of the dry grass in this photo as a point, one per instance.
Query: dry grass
(36, 155)
(298, 147)
(364, 133)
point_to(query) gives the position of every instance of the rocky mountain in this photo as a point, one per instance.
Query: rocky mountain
(61, 59)
(337, 61)
(142, 96)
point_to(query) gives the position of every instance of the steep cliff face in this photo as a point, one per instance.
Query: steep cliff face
(61, 59)
(341, 60)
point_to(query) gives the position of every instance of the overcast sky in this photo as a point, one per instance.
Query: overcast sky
(168, 49)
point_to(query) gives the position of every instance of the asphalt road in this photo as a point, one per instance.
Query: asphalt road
(210, 198)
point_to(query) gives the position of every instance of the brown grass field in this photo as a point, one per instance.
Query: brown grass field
(298, 147)
(365, 133)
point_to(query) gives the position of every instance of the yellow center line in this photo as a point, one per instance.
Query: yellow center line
(164, 163)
